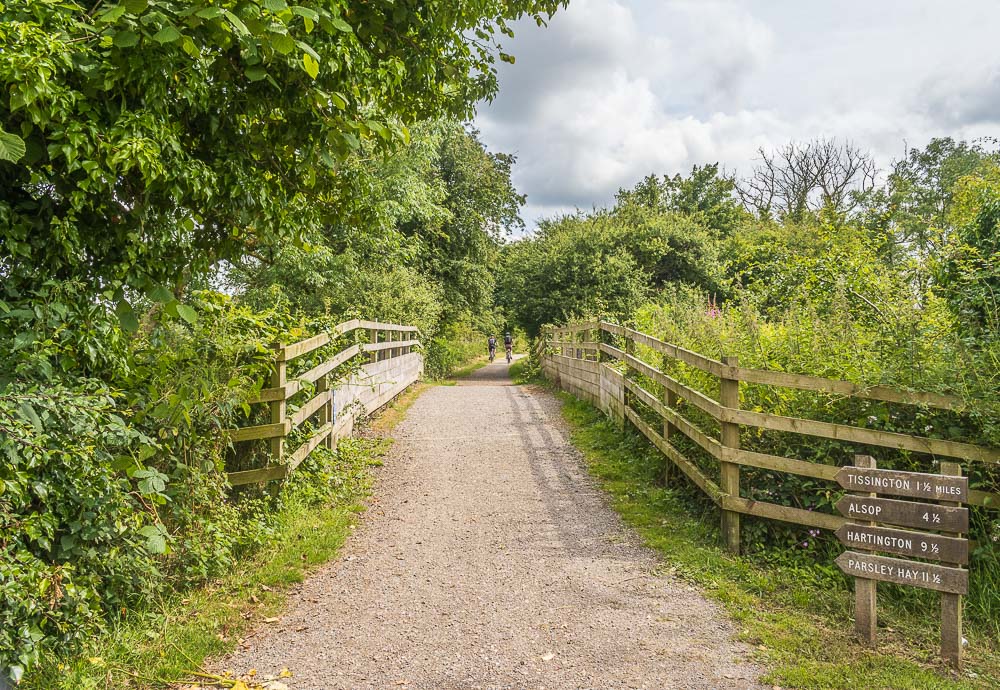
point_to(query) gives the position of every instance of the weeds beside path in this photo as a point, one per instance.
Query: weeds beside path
(161, 646)
(797, 621)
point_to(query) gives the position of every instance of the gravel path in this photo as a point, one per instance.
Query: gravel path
(490, 559)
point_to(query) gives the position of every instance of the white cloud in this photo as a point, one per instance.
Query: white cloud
(613, 90)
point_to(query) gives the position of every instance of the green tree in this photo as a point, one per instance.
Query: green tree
(430, 216)
(908, 217)
(569, 271)
(481, 208)
(704, 194)
(162, 136)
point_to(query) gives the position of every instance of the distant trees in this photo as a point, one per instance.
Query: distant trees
(422, 244)
(660, 232)
(802, 178)
(910, 215)
(705, 195)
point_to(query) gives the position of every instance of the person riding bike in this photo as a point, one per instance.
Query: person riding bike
(508, 343)
(492, 343)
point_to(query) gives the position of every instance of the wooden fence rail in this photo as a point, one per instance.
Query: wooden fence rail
(579, 359)
(336, 405)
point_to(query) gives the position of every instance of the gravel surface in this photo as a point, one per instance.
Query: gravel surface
(490, 559)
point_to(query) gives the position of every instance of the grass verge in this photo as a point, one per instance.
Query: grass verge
(163, 644)
(797, 620)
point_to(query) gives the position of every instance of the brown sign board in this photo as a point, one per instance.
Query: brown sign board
(935, 487)
(905, 513)
(884, 569)
(904, 542)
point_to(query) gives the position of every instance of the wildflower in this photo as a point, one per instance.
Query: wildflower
(713, 311)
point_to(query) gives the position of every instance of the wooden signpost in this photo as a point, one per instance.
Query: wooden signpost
(904, 542)
(936, 487)
(866, 536)
(905, 513)
(914, 573)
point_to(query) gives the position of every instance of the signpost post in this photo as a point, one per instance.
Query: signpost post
(866, 535)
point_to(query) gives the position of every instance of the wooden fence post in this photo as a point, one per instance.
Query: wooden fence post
(865, 590)
(626, 393)
(278, 407)
(951, 604)
(729, 396)
(670, 401)
(326, 412)
(373, 339)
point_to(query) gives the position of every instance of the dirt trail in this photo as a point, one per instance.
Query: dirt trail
(490, 559)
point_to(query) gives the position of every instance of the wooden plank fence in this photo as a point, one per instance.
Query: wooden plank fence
(390, 366)
(579, 359)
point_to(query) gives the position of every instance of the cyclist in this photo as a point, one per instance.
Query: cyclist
(492, 343)
(508, 343)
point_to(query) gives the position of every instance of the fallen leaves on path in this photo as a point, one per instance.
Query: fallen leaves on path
(247, 681)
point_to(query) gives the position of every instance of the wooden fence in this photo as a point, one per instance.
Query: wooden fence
(336, 404)
(580, 360)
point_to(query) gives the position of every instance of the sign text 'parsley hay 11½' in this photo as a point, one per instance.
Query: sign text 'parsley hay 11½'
(905, 513)
(935, 487)
(912, 573)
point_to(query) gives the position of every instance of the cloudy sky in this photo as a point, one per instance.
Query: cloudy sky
(613, 90)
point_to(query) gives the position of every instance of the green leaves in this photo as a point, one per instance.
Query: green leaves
(161, 294)
(167, 34)
(255, 73)
(187, 313)
(126, 39)
(156, 538)
(236, 23)
(341, 25)
(12, 147)
(310, 65)
(283, 44)
(127, 317)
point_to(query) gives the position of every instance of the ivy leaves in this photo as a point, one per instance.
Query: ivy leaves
(11, 147)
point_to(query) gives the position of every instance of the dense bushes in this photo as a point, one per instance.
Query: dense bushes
(114, 491)
(77, 537)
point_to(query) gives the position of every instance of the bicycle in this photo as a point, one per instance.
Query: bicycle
(493, 354)
(510, 355)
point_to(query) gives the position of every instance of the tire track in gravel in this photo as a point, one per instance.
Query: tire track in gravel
(490, 559)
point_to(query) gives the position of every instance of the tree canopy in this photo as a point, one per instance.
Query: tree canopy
(161, 136)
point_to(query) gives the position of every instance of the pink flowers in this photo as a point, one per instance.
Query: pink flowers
(713, 309)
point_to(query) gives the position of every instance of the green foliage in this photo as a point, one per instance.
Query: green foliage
(435, 210)
(917, 198)
(153, 148)
(969, 272)
(812, 294)
(569, 270)
(604, 264)
(704, 196)
(457, 344)
(131, 180)
(113, 495)
(77, 514)
(167, 639)
(837, 336)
